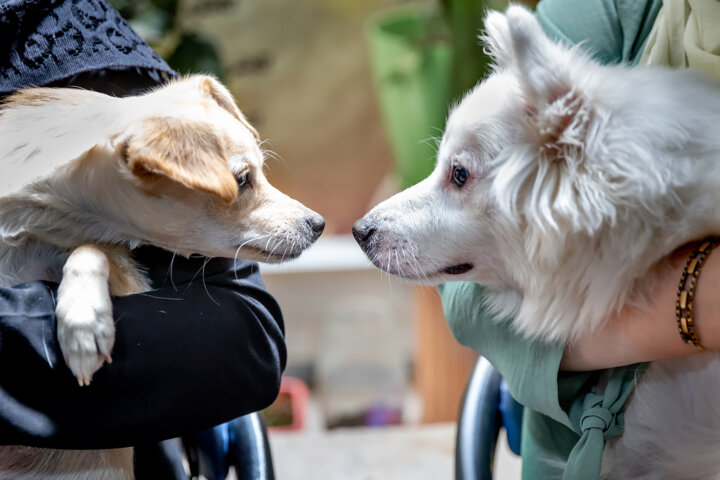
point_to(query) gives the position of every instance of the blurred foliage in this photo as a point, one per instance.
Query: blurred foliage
(158, 23)
(470, 63)
(465, 22)
(195, 53)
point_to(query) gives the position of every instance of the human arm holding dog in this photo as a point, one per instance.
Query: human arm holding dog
(204, 346)
(650, 332)
(642, 334)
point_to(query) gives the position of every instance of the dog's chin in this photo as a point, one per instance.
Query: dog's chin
(275, 258)
(248, 252)
(450, 273)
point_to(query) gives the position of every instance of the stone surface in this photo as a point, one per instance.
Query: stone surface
(394, 453)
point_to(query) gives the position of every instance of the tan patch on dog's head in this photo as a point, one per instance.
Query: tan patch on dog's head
(190, 153)
(210, 88)
(224, 98)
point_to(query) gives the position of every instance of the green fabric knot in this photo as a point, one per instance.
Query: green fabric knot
(598, 418)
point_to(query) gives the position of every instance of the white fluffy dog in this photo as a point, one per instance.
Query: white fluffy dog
(560, 184)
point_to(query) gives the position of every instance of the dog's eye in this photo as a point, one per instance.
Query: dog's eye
(242, 180)
(459, 175)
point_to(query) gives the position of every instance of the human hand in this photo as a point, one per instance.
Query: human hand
(649, 332)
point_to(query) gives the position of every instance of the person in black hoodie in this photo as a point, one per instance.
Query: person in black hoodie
(206, 345)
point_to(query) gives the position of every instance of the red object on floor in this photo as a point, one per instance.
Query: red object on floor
(292, 402)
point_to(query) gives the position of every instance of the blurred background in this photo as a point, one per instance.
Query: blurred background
(350, 97)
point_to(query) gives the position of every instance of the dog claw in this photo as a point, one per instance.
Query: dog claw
(86, 339)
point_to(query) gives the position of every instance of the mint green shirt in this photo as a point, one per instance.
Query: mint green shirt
(613, 31)
(567, 418)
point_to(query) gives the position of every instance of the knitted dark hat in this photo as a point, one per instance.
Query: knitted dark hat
(43, 41)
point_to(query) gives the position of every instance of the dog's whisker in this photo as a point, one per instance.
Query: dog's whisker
(271, 252)
(199, 270)
(438, 129)
(432, 142)
(268, 252)
(419, 272)
(157, 297)
(207, 260)
(277, 243)
(413, 263)
(235, 259)
(269, 154)
(170, 271)
(254, 239)
(388, 269)
(291, 248)
(237, 250)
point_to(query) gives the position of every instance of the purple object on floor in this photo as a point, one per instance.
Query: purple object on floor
(380, 415)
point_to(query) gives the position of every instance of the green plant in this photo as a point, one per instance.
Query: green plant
(158, 23)
(424, 57)
(470, 63)
(465, 23)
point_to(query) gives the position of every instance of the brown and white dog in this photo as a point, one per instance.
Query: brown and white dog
(87, 177)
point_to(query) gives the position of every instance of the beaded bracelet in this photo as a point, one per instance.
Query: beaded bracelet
(684, 311)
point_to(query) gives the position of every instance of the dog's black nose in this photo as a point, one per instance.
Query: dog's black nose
(316, 224)
(362, 231)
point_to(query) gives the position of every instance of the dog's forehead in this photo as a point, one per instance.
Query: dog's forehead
(245, 159)
(482, 103)
(478, 107)
(183, 99)
(243, 150)
(186, 101)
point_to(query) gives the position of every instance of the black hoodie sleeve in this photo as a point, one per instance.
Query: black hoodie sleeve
(205, 346)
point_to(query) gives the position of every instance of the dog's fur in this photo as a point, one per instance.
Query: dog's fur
(580, 179)
(87, 177)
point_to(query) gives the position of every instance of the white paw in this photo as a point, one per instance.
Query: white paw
(85, 329)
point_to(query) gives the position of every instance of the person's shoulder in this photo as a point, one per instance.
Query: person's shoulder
(612, 31)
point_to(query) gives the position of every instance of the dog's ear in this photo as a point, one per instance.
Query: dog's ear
(497, 39)
(556, 115)
(190, 153)
(517, 42)
(558, 112)
(210, 87)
